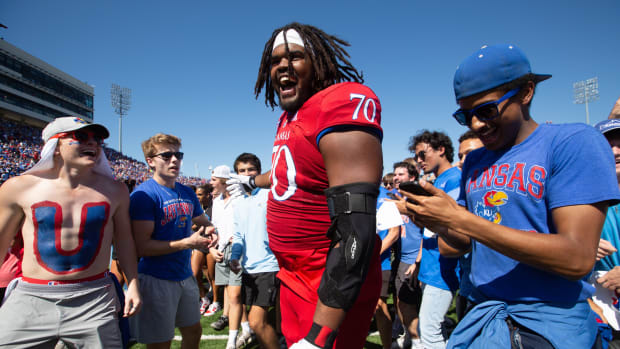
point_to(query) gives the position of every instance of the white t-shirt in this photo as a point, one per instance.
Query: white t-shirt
(388, 216)
(223, 220)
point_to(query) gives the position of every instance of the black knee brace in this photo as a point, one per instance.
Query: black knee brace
(353, 211)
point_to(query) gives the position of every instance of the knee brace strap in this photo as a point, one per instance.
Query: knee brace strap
(352, 232)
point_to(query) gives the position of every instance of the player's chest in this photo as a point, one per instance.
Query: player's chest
(59, 213)
(295, 150)
(297, 161)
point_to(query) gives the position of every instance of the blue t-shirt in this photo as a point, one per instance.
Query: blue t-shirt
(410, 242)
(556, 166)
(611, 233)
(172, 211)
(435, 269)
(465, 267)
(385, 256)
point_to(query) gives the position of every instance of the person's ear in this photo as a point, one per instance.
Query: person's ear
(527, 93)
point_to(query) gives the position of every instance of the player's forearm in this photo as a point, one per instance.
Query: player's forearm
(389, 239)
(328, 316)
(202, 220)
(10, 222)
(554, 253)
(418, 258)
(127, 256)
(5, 243)
(236, 248)
(262, 180)
(453, 244)
(159, 248)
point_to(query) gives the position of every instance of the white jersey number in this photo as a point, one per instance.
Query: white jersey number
(291, 173)
(366, 102)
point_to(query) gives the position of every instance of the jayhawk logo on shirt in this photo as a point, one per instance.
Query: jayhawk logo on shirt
(489, 208)
(182, 221)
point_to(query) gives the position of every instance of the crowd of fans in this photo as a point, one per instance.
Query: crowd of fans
(494, 237)
(20, 146)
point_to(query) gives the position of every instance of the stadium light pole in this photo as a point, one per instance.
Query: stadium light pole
(121, 102)
(586, 91)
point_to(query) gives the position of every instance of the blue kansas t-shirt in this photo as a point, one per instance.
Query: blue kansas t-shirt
(556, 166)
(172, 211)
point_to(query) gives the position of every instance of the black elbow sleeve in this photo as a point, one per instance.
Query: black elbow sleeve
(352, 210)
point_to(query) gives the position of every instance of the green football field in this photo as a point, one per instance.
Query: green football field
(217, 339)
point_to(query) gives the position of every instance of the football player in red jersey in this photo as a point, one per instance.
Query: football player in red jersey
(327, 164)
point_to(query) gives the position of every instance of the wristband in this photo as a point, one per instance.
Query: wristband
(321, 336)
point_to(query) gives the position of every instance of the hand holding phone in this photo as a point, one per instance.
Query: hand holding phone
(392, 196)
(413, 187)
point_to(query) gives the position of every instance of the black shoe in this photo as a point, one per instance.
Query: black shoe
(221, 323)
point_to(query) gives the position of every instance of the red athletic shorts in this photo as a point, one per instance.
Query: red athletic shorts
(300, 275)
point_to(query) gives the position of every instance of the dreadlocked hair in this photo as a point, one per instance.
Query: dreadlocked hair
(329, 60)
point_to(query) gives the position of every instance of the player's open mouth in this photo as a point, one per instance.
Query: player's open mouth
(88, 152)
(287, 87)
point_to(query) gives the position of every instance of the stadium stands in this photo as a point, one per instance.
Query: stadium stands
(20, 145)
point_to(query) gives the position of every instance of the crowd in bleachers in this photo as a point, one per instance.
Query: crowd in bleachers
(20, 146)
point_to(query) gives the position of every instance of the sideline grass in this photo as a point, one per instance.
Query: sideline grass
(372, 342)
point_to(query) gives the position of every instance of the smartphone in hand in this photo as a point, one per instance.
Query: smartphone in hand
(413, 187)
(392, 196)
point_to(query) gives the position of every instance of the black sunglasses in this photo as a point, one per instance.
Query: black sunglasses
(485, 111)
(167, 155)
(421, 155)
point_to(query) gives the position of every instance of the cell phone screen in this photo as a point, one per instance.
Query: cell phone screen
(413, 188)
(392, 196)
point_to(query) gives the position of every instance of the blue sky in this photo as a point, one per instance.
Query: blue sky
(192, 65)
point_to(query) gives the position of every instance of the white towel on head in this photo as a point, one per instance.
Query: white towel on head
(46, 162)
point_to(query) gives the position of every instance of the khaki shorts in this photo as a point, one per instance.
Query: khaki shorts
(223, 275)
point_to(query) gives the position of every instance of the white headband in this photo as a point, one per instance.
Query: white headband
(292, 37)
(46, 162)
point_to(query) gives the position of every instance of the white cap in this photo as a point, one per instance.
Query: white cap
(71, 123)
(221, 171)
(67, 124)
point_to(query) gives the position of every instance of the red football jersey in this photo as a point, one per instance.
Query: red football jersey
(297, 214)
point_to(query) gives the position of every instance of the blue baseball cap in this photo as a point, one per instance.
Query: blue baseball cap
(607, 125)
(490, 67)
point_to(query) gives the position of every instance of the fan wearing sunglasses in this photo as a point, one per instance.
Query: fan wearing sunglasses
(162, 214)
(528, 211)
(68, 208)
